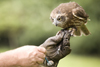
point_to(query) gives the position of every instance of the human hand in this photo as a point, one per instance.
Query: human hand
(57, 46)
(30, 56)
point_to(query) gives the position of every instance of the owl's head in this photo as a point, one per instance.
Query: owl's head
(59, 20)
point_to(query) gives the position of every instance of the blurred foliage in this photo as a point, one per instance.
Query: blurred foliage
(25, 22)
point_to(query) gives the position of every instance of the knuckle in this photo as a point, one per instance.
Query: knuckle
(44, 50)
(35, 53)
(41, 61)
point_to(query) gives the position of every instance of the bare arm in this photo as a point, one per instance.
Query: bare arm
(26, 56)
(7, 59)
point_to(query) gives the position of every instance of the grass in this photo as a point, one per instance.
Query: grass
(79, 61)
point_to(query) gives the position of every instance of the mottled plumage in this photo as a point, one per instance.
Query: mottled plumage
(70, 15)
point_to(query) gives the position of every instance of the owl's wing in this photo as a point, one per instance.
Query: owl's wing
(80, 13)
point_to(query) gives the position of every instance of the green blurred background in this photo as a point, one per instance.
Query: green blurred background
(24, 22)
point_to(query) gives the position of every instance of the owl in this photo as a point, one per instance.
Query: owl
(70, 15)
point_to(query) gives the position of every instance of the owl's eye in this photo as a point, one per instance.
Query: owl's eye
(59, 19)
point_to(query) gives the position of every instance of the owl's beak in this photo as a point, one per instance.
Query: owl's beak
(55, 22)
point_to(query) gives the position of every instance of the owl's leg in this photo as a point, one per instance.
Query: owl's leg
(74, 27)
(61, 31)
(64, 29)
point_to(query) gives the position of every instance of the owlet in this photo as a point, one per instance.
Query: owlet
(70, 15)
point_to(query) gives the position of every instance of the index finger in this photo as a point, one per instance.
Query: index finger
(42, 49)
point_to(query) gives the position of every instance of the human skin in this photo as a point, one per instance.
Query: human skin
(26, 56)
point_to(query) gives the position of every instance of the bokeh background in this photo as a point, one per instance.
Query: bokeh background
(26, 22)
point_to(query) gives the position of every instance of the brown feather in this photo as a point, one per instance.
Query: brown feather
(76, 17)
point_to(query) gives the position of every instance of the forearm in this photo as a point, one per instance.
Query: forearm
(8, 59)
(26, 56)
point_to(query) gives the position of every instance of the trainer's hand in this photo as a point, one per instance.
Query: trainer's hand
(57, 47)
(30, 56)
